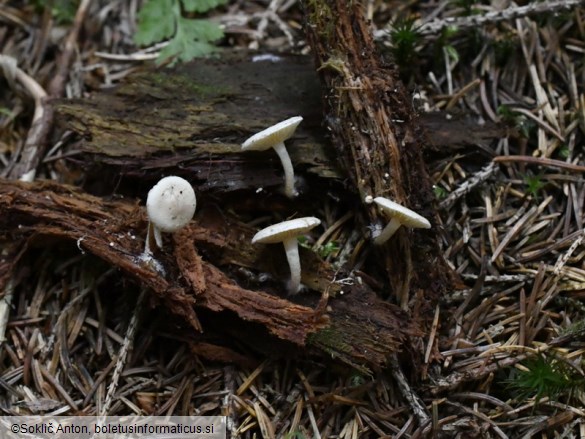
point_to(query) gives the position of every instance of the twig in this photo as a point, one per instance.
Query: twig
(489, 366)
(126, 347)
(435, 27)
(466, 187)
(312, 420)
(542, 161)
(412, 398)
(5, 303)
(57, 84)
(229, 410)
(25, 168)
(26, 163)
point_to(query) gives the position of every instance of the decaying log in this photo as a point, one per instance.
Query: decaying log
(378, 138)
(356, 327)
(192, 120)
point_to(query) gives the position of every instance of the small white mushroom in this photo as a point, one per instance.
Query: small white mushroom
(274, 137)
(287, 233)
(400, 216)
(170, 206)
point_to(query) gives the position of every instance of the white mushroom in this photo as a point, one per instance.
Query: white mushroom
(274, 137)
(170, 206)
(287, 233)
(400, 216)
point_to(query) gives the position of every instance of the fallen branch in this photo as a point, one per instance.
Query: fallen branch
(24, 164)
(378, 139)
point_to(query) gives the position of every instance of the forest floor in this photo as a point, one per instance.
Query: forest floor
(505, 354)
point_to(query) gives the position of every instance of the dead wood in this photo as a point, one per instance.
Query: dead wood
(357, 327)
(379, 140)
(192, 120)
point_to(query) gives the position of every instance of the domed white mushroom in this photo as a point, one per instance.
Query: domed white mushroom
(400, 216)
(274, 137)
(170, 206)
(287, 233)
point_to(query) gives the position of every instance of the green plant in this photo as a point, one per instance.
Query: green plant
(534, 184)
(577, 328)
(323, 250)
(327, 249)
(440, 192)
(63, 11)
(517, 120)
(444, 44)
(405, 37)
(564, 152)
(452, 52)
(188, 38)
(546, 376)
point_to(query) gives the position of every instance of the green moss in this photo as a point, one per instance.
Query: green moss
(321, 16)
(190, 85)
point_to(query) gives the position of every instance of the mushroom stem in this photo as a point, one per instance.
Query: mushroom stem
(152, 236)
(147, 243)
(157, 236)
(289, 174)
(388, 231)
(291, 246)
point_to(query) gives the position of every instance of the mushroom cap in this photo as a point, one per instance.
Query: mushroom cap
(403, 214)
(171, 203)
(274, 135)
(285, 230)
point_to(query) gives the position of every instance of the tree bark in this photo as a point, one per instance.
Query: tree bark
(378, 138)
(357, 328)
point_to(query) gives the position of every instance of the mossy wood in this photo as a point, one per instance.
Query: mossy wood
(191, 121)
(379, 140)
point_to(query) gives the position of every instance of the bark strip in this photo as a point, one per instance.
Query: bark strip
(377, 137)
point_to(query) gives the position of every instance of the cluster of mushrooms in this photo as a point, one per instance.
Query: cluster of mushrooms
(171, 204)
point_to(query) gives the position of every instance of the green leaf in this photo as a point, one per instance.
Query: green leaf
(189, 38)
(192, 39)
(195, 50)
(156, 21)
(202, 5)
(200, 30)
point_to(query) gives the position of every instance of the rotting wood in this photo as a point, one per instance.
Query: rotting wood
(191, 120)
(363, 329)
(357, 328)
(379, 140)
